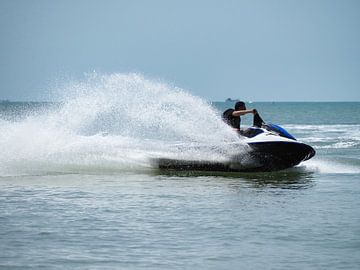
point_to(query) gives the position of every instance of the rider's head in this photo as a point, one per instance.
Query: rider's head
(240, 105)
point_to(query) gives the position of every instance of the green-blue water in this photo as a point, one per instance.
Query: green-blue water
(76, 204)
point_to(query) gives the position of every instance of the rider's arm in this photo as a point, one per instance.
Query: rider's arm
(243, 112)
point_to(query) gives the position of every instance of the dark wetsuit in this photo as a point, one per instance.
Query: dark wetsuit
(233, 121)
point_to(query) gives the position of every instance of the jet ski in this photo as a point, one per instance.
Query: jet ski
(270, 148)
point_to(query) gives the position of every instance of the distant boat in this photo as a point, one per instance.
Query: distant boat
(232, 100)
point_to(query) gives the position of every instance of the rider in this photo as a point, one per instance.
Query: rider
(232, 117)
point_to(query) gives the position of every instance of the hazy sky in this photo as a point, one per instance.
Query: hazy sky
(305, 50)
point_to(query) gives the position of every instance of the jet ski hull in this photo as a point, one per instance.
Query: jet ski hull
(271, 148)
(280, 155)
(262, 157)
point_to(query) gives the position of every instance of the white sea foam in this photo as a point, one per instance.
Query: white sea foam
(330, 167)
(114, 122)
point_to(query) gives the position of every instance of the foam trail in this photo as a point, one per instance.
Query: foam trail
(114, 122)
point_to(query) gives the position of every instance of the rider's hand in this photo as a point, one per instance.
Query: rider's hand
(254, 111)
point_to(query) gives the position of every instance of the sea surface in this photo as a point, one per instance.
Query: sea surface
(78, 190)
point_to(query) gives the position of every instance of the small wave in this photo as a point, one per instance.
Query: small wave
(317, 139)
(339, 145)
(326, 128)
(327, 136)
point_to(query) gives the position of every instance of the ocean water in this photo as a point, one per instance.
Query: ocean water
(78, 189)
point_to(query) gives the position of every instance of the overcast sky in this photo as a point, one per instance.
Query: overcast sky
(268, 50)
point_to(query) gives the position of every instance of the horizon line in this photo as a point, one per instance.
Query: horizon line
(212, 101)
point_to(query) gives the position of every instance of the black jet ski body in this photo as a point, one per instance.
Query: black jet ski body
(273, 148)
(269, 148)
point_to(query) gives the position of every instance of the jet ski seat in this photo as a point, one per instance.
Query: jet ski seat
(251, 132)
